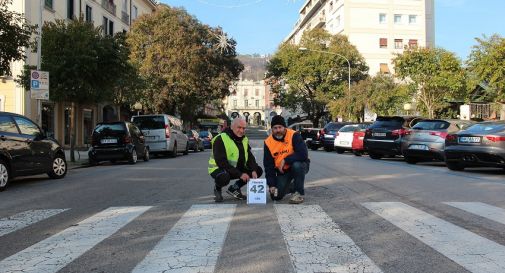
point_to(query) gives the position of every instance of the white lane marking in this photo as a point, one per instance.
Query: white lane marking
(55, 252)
(481, 209)
(26, 218)
(473, 252)
(193, 244)
(316, 244)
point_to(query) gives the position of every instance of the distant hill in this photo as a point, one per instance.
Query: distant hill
(254, 67)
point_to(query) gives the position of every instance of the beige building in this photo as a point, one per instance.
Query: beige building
(113, 16)
(378, 28)
(249, 99)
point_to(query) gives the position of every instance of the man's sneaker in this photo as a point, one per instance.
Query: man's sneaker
(296, 198)
(236, 193)
(218, 196)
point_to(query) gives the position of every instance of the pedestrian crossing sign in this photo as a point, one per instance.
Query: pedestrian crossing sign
(257, 191)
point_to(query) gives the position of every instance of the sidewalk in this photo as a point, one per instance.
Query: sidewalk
(81, 159)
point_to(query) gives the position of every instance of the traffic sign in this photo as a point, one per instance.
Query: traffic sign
(39, 84)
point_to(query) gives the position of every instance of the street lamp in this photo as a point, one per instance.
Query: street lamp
(137, 106)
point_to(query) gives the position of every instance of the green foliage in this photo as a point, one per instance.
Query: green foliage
(487, 64)
(435, 73)
(308, 81)
(15, 37)
(188, 64)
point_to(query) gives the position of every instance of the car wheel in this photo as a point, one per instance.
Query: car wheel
(411, 160)
(186, 152)
(113, 161)
(4, 175)
(314, 147)
(374, 155)
(92, 161)
(340, 151)
(147, 156)
(357, 153)
(58, 168)
(196, 149)
(133, 157)
(174, 151)
(455, 166)
(328, 149)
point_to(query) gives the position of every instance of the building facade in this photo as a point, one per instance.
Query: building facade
(251, 100)
(113, 16)
(378, 28)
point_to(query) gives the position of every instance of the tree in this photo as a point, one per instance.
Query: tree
(486, 64)
(84, 65)
(188, 64)
(15, 37)
(435, 73)
(308, 81)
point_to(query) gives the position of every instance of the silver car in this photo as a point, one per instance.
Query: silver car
(163, 133)
(425, 141)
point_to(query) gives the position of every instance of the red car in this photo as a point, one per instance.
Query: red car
(357, 142)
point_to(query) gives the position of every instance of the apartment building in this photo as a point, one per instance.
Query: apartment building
(113, 16)
(378, 28)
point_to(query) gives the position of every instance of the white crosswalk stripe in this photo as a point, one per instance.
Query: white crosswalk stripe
(26, 218)
(473, 252)
(317, 244)
(53, 253)
(193, 244)
(481, 209)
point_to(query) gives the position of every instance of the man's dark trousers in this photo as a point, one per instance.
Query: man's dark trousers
(291, 181)
(223, 178)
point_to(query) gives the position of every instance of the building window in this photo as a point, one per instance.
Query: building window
(412, 19)
(384, 68)
(331, 5)
(48, 4)
(398, 43)
(70, 9)
(234, 103)
(412, 43)
(257, 103)
(245, 92)
(135, 12)
(105, 25)
(398, 19)
(337, 21)
(383, 42)
(257, 92)
(382, 18)
(246, 103)
(111, 27)
(89, 16)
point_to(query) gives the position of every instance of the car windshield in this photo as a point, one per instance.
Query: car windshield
(348, 128)
(150, 122)
(333, 126)
(203, 134)
(113, 128)
(387, 123)
(486, 128)
(432, 125)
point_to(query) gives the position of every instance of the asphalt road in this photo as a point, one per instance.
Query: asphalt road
(360, 215)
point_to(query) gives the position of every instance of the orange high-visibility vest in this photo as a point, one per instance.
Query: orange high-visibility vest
(281, 149)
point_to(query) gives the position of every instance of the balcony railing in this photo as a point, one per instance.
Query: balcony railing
(125, 17)
(109, 6)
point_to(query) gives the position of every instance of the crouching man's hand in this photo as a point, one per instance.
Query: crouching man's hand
(274, 191)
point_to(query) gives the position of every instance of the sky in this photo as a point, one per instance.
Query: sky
(259, 26)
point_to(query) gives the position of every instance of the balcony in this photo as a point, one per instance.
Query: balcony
(321, 21)
(109, 6)
(125, 17)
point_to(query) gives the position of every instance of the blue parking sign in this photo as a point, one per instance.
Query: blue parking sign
(35, 84)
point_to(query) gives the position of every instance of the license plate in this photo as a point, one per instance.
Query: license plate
(379, 134)
(344, 142)
(308, 139)
(469, 139)
(150, 137)
(418, 147)
(108, 141)
(329, 136)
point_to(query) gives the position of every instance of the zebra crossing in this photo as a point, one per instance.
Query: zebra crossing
(314, 241)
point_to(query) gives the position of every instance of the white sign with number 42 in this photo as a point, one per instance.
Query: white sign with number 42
(257, 191)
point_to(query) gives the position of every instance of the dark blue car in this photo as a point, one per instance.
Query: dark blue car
(206, 136)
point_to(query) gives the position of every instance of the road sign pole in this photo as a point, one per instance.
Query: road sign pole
(39, 56)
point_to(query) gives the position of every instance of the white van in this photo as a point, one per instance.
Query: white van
(163, 133)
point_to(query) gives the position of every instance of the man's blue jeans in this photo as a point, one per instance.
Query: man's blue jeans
(291, 181)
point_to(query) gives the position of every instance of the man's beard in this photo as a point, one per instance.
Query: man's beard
(278, 136)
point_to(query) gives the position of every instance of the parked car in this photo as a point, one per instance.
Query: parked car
(299, 126)
(163, 134)
(313, 137)
(329, 133)
(357, 142)
(207, 138)
(117, 141)
(345, 136)
(195, 142)
(425, 141)
(383, 137)
(27, 150)
(481, 145)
